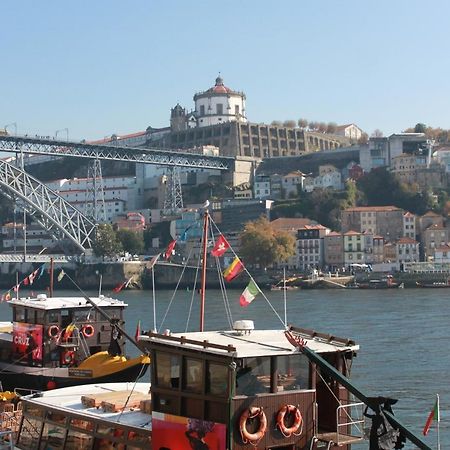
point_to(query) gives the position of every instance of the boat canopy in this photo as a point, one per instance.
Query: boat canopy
(45, 303)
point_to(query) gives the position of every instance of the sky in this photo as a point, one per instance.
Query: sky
(107, 66)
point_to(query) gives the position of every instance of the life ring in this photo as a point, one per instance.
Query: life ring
(68, 358)
(88, 331)
(296, 426)
(53, 331)
(250, 413)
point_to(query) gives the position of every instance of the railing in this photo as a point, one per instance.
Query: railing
(350, 422)
(6, 440)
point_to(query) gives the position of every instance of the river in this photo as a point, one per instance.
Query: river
(403, 336)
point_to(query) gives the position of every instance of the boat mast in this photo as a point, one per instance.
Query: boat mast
(203, 285)
(51, 276)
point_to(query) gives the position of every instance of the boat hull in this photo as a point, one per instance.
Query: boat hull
(37, 381)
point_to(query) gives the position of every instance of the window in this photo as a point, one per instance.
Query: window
(253, 377)
(202, 110)
(236, 109)
(193, 375)
(217, 379)
(167, 370)
(219, 108)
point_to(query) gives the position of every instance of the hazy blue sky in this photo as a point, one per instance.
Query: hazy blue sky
(100, 67)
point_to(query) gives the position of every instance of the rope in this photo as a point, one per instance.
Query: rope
(175, 291)
(193, 293)
(337, 399)
(252, 279)
(132, 390)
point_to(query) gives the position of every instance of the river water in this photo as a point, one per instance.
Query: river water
(403, 336)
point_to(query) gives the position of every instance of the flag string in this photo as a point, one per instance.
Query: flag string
(28, 280)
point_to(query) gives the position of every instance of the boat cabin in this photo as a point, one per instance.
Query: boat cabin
(58, 331)
(245, 387)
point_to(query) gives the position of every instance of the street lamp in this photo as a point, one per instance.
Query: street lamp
(66, 131)
(13, 124)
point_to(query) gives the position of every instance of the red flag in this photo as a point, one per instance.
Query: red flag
(170, 250)
(16, 288)
(233, 270)
(221, 246)
(138, 331)
(26, 282)
(119, 287)
(152, 262)
(434, 415)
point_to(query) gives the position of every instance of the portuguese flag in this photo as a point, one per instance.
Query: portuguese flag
(233, 270)
(434, 415)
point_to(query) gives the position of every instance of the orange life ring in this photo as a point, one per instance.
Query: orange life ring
(68, 358)
(53, 331)
(296, 426)
(251, 413)
(88, 331)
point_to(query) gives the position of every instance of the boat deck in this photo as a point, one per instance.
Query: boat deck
(338, 438)
(69, 400)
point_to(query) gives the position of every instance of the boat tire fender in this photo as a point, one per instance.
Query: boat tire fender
(53, 331)
(296, 428)
(250, 413)
(88, 331)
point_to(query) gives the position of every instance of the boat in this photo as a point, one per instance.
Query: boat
(234, 388)
(56, 342)
(434, 284)
(382, 283)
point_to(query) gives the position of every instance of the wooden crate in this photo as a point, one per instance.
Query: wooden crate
(95, 400)
(125, 401)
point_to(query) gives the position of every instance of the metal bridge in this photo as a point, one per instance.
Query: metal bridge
(49, 209)
(52, 211)
(39, 146)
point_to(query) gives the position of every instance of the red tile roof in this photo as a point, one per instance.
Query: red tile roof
(406, 240)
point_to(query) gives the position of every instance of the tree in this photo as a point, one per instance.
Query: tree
(262, 244)
(302, 123)
(377, 133)
(289, 123)
(363, 139)
(313, 125)
(322, 127)
(420, 128)
(132, 241)
(276, 123)
(106, 242)
(331, 127)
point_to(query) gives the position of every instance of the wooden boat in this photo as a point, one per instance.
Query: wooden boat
(64, 341)
(383, 283)
(235, 389)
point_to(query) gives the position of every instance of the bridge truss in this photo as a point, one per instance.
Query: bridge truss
(49, 209)
(39, 146)
(52, 211)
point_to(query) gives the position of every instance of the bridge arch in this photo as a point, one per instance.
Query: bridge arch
(56, 214)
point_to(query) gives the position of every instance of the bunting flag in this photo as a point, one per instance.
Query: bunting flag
(250, 292)
(61, 275)
(8, 296)
(233, 270)
(221, 246)
(183, 236)
(16, 288)
(32, 276)
(152, 262)
(25, 281)
(138, 331)
(120, 286)
(42, 271)
(170, 250)
(434, 415)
